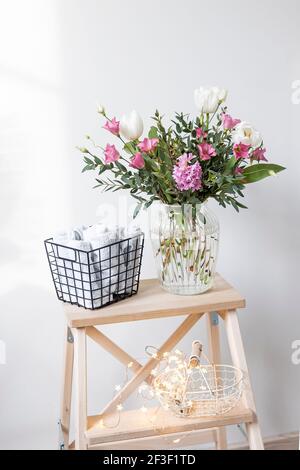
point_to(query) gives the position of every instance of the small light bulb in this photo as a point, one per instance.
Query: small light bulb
(142, 388)
(117, 388)
(154, 355)
(175, 441)
(120, 407)
(173, 359)
(166, 354)
(130, 364)
(154, 372)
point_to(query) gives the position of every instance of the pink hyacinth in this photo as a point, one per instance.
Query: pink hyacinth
(111, 154)
(206, 151)
(137, 161)
(112, 126)
(229, 122)
(147, 145)
(259, 155)
(200, 133)
(186, 176)
(241, 150)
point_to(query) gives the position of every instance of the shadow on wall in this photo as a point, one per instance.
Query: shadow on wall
(30, 380)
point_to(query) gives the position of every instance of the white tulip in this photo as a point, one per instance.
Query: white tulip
(131, 126)
(223, 94)
(207, 100)
(246, 134)
(101, 109)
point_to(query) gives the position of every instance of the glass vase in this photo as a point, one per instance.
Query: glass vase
(185, 241)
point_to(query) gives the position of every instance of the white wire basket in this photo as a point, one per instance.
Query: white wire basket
(201, 390)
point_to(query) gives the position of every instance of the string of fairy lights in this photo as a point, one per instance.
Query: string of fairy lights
(148, 393)
(171, 379)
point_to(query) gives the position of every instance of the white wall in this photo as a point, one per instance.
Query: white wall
(57, 61)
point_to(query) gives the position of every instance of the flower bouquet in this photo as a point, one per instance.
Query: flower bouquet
(181, 166)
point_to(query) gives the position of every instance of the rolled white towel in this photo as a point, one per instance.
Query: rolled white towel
(108, 260)
(78, 279)
(74, 276)
(131, 249)
(77, 232)
(94, 231)
(74, 234)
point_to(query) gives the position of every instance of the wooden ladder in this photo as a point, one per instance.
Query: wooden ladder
(135, 430)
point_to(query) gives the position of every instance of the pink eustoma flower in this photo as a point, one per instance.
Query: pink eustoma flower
(200, 133)
(137, 161)
(241, 150)
(259, 155)
(147, 145)
(206, 151)
(187, 177)
(111, 154)
(112, 126)
(229, 122)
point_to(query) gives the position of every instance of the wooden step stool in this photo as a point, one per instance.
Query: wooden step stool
(134, 430)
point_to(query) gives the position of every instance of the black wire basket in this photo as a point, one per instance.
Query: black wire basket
(99, 277)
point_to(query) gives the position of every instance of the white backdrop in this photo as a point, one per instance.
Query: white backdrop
(58, 60)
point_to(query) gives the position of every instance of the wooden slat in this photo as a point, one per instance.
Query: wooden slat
(153, 302)
(81, 388)
(160, 442)
(113, 349)
(213, 335)
(289, 441)
(145, 371)
(135, 424)
(65, 413)
(239, 360)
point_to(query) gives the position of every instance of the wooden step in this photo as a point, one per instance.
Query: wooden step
(153, 302)
(135, 424)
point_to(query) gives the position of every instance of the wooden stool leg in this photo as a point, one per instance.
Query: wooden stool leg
(67, 387)
(81, 388)
(213, 334)
(239, 360)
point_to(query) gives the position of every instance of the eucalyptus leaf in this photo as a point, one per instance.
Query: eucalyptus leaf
(230, 165)
(137, 209)
(152, 132)
(120, 166)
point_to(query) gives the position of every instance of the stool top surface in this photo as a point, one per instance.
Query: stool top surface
(152, 301)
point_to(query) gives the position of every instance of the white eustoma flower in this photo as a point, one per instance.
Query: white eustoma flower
(131, 126)
(246, 134)
(207, 100)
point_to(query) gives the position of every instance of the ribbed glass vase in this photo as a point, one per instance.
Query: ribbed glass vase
(185, 241)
